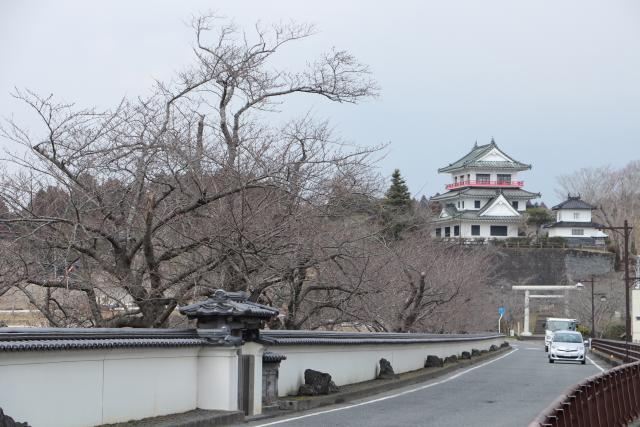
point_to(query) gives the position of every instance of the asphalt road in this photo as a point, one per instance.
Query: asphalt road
(507, 391)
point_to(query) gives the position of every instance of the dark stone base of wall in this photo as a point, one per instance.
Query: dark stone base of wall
(195, 418)
(551, 266)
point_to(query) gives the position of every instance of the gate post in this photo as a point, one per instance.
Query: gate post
(254, 350)
(232, 375)
(526, 332)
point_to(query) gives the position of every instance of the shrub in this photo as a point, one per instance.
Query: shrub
(586, 332)
(614, 331)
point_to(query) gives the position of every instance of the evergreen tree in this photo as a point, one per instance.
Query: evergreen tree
(398, 196)
(424, 202)
(397, 206)
(537, 217)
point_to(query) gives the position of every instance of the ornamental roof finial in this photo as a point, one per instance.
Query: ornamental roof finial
(476, 144)
(493, 141)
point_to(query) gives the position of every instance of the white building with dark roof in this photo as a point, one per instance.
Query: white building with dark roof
(574, 222)
(485, 198)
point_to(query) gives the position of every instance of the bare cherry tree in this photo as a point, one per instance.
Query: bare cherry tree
(427, 285)
(614, 192)
(118, 216)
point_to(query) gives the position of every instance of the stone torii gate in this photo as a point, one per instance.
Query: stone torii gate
(528, 288)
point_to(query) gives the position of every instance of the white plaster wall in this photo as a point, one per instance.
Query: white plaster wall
(469, 203)
(566, 232)
(485, 230)
(217, 378)
(584, 215)
(500, 207)
(350, 364)
(71, 388)
(473, 172)
(635, 313)
(146, 383)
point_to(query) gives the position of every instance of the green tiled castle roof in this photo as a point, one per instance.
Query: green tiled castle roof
(475, 215)
(511, 194)
(471, 160)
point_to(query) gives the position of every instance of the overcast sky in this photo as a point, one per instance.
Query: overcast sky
(557, 83)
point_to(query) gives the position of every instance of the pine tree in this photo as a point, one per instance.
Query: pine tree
(424, 202)
(397, 206)
(398, 196)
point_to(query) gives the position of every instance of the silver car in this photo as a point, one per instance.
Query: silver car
(567, 345)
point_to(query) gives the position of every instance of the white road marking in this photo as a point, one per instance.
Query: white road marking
(595, 364)
(532, 348)
(392, 396)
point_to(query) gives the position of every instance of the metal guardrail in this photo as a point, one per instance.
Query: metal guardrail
(609, 399)
(543, 245)
(621, 350)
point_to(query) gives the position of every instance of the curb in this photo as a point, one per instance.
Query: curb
(605, 358)
(194, 418)
(372, 387)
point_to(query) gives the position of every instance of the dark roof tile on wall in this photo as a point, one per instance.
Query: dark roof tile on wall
(573, 203)
(26, 339)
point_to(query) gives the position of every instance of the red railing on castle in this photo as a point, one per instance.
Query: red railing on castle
(482, 183)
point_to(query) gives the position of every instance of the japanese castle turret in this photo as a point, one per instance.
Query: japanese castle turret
(574, 222)
(485, 198)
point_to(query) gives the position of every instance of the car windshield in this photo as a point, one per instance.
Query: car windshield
(561, 325)
(567, 338)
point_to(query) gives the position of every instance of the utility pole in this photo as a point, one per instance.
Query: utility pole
(593, 317)
(626, 231)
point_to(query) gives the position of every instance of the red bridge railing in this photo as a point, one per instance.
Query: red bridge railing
(609, 399)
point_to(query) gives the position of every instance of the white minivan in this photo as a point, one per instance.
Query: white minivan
(567, 345)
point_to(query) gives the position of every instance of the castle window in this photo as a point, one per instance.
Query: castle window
(438, 232)
(483, 177)
(576, 215)
(476, 204)
(515, 204)
(498, 230)
(456, 230)
(447, 232)
(504, 178)
(463, 204)
(577, 232)
(475, 230)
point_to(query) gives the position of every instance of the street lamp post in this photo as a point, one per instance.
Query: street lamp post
(592, 282)
(593, 321)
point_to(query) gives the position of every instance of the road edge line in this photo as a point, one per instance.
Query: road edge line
(595, 364)
(391, 396)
